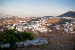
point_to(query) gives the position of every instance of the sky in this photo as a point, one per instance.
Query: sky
(36, 8)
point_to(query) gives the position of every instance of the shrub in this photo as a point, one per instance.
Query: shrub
(12, 36)
(73, 29)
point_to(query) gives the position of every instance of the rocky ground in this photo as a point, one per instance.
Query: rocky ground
(57, 41)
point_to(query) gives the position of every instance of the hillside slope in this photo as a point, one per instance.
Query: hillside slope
(68, 14)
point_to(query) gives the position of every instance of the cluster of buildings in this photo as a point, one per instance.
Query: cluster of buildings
(41, 24)
(34, 25)
(67, 26)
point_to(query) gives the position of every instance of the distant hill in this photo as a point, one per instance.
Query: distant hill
(68, 14)
(48, 16)
(4, 15)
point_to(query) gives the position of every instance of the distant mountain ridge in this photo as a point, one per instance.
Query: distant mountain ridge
(4, 15)
(48, 16)
(68, 14)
